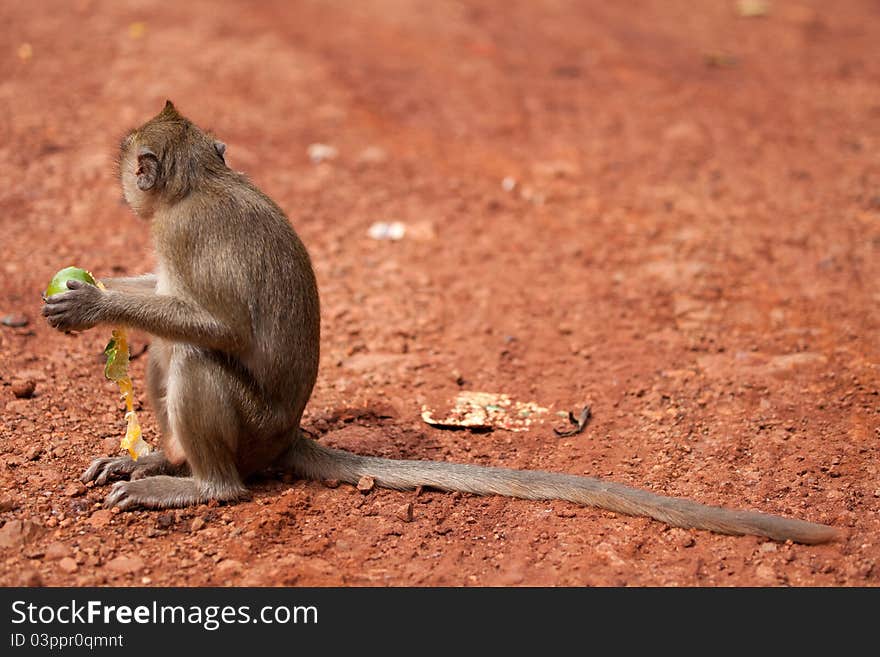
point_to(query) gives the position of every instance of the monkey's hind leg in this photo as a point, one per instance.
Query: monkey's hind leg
(202, 402)
(104, 470)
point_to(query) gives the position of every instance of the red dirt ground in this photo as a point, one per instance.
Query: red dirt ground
(691, 246)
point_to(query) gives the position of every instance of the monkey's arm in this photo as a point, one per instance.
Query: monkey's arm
(173, 318)
(143, 283)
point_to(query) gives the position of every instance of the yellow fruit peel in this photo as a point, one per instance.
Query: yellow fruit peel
(116, 369)
(116, 366)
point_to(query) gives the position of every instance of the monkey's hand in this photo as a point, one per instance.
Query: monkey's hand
(80, 308)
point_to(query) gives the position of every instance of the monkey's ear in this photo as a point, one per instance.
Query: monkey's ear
(220, 147)
(148, 169)
(169, 110)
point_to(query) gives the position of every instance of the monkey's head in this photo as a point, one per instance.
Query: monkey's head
(165, 159)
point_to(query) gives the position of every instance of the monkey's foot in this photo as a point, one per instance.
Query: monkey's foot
(170, 492)
(103, 470)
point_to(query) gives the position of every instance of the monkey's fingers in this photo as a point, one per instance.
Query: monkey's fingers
(66, 320)
(58, 298)
(103, 469)
(55, 308)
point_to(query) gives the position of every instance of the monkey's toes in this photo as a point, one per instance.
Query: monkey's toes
(119, 496)
(159, 492)
(102, 470)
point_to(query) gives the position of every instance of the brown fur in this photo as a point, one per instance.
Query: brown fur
(234, 311)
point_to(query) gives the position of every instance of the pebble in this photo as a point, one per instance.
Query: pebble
(385, 230)
(229, 566)
(334, 483)
(125, 565)
(366, 484)
(101, 518)
(18, 532)
(33, 453)
(681, 537)
(75, 489)
(68, 565)
(405, 512)
(766, 574)
(57, 551)
(165, 520)
(197, 524)
(14, 320)
(31, 578)
(24, 389)
(320, 152)
(9, 504)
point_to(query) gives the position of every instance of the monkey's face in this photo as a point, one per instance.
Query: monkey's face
(130, 169)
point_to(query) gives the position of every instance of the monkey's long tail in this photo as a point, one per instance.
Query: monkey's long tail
(310, 460)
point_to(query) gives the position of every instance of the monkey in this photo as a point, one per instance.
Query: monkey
(234, 315)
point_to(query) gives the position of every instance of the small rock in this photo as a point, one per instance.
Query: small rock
(14, 320)
(31, 578)
(33, 453)
(229, 566)
(57, 551)
(766, 574)
(320, 152)
(18, 406)
(75, 489)
(79, 507)
(68, 565)
(101, 518)
(366, 484)
(165, 520)
(18, 532)
(387, 230)
(681, 537)
(110, 444)
(125, 565)
(197, 524)
(334, 483)
(146, 580)
(405, 512)
(24, 389)
(769, 546)
(9, 504)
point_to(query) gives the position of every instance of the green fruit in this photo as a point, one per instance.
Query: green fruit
(58, 283)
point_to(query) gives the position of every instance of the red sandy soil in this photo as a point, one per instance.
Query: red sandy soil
(691, 246)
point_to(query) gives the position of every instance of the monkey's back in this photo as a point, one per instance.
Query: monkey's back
(245, 263)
